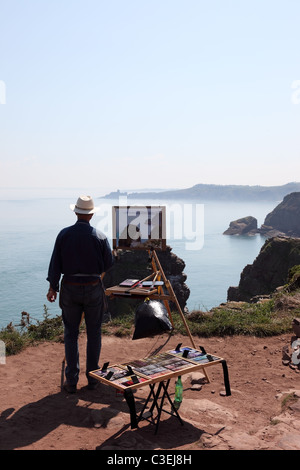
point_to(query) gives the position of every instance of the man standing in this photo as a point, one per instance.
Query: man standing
(82, 255)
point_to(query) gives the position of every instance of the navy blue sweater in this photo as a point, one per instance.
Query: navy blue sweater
(81, 253)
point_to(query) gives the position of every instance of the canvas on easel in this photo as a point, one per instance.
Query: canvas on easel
(139, 227)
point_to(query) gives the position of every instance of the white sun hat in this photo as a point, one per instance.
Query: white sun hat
(84, 205)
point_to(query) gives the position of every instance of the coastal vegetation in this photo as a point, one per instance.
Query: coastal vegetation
(268, 317)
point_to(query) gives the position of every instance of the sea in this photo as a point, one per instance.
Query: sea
(31, 221)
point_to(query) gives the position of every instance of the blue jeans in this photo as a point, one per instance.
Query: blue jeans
(74, 301)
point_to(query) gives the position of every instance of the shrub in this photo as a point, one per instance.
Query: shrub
(27, 333)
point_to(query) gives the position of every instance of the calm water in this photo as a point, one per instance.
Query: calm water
(29, 228)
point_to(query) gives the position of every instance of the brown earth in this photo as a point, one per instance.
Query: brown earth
(37, 415)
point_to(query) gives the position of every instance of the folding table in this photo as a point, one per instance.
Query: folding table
(156, 372)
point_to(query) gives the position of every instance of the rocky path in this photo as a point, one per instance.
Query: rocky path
(262, 413)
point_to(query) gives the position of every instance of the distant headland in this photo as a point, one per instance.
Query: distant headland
(210, 192)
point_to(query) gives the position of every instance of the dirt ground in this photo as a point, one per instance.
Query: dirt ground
(36, 414)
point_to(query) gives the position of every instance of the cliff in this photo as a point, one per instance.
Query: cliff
(136, 265)
(269, 270)
(285, 218)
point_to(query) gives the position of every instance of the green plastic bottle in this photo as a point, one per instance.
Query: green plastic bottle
(178, 393)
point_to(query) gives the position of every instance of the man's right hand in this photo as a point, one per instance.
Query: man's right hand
(51, 295)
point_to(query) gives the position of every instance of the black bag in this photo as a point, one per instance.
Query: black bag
(151, 318)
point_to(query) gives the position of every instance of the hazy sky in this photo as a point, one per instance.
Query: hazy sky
(126, 94)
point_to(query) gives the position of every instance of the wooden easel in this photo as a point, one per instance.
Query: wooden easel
(155, 292)
(158, 274)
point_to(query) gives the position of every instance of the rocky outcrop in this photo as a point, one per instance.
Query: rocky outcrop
(135, 264)
(291, 352)
(269, 270)
(284, 219)
(244, 226)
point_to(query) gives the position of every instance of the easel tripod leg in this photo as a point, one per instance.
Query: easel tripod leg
(156, 264)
